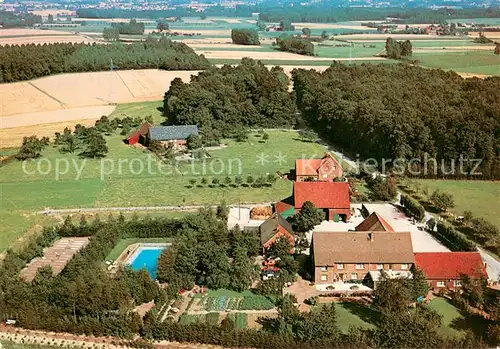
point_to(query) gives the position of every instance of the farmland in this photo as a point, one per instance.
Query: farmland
(479, 62)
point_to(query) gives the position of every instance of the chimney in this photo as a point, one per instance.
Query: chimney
(370, 236)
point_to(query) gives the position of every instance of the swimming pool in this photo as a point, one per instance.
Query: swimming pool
(146, 257)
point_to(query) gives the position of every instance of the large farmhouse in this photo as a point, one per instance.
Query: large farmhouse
(176, 134)
(444, 270)
(325, 169)
(341, 256)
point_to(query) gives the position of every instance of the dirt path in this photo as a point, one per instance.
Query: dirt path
(67, 340)
(50, 211)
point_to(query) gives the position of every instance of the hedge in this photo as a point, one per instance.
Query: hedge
(412, 207)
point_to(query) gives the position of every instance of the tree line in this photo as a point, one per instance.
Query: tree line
(131, 28)
(296, 45)
(327, 12)
(10, 19)
(225, 101)
(25, 62)
(405, 112)
(398, 49)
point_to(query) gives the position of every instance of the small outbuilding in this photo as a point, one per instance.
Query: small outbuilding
(274, 228)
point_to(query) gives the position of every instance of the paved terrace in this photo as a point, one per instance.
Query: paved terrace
(57, 256)
(421, 240)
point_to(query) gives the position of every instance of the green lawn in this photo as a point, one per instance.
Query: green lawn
(354, 315)
(479, 197)
(450, 316)
(357, 315)
(124, 243)
(116, 181)
(479, 62)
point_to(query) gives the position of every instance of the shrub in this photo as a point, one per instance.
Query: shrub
(412, 207)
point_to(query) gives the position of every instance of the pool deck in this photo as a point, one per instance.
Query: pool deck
(130, 253)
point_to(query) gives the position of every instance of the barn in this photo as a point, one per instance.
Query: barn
(139, 134)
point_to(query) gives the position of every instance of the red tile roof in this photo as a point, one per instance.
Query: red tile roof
(374, 222)
(449, 265)
(282, 206)
(322, 194)
(310, 167)
(307, 167)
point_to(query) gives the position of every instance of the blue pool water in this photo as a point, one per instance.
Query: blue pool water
(147, 258)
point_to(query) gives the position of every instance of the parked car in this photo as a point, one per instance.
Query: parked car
(268, 275)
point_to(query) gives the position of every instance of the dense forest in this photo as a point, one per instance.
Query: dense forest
(31, 61)
(326, 12)
(12, 20)
(225, 101)
(319, 12)
(401, 111)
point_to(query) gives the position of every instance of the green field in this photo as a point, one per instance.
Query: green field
(482, 198)
(124, 243)
(275, 62)
(479, 62)
(348, 51)
(116, 181)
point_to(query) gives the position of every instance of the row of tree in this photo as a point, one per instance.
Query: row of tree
(9, 19)
(31, 61)
(445, 124)
(223, 102)
(131, 28)
(451, 238)
(328, 12)
(480, 230)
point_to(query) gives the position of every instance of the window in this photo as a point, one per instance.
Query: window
(360, 266)
(380, 266)
(458, 283)
(354, 276)
(404, 266)
(324, 278)
(324, 268)
(340, 266)
(440, 284)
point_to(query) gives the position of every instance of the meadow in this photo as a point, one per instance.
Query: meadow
(116, 181)
(482, 198)
(478, 62)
